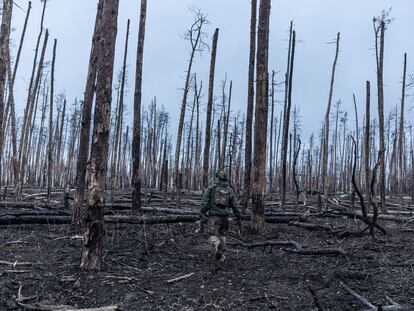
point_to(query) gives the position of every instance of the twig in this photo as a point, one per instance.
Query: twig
(315, 299)
(357, 296)
(180, 278)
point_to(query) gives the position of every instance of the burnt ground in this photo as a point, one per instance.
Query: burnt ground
(140, 259)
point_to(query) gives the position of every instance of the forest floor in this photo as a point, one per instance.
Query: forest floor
(40, 264)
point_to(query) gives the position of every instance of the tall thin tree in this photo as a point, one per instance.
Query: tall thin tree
(92, 251)
(207, 140)
(78, 211)
(50, 143)
(136, 139)
(250, 106)
(261, 116)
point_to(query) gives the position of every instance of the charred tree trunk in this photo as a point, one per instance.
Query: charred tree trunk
(379, 52)
(119, 115)
(250, 106)
(4, 51)
(50, 144)
(272, 111)
(92, 251)
(326, 127)
(194, 36)
(136, 139)
(261, 116)
(286, 116)
(207, 140)
(367, 151)
(401, 187)
(84, 139)
(10, 101)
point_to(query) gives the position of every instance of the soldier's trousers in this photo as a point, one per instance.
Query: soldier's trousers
(217, 228)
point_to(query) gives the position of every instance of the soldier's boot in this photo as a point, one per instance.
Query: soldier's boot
(217, 244)
(221, 249)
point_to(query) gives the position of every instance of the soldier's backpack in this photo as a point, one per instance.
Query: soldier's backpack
(221, 196)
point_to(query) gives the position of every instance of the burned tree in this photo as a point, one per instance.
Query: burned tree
(136, 136)
(77, 215)
(286, 114)
(401, 187)
(194, 36)
(326, 126)
(379, 30)
(367, 138)
(10, 100)
(250, 106)
(261, 116)
(207, 140)
(92, 252)
(50, 144)
(4, 51)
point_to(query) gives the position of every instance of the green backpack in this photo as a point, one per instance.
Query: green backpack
(221, 196)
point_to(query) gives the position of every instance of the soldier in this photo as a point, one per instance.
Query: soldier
(217, 203)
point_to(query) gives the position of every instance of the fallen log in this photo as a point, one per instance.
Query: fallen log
(298, 249)
(34, 219)
(50, 218)
(149, 220)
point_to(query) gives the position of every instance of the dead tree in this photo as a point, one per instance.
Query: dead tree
(92, 251)
(59, 145)
(354, 182)
(374, 195)
(379, 29)
(261, 116)
(226, 125)
(119, 114)
(298, 145)
(286, 115)
(10, 100)
(50, 143)
(367, 154)
(272, 111)
(250, 106)
(136, 136)
(33, 87)
(24, 139)
(401, 187)
(84, 139)
(195, 36)
(207, 139)
(326, 126)
(4, 51)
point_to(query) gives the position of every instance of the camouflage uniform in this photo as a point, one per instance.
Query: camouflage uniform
(218, 202)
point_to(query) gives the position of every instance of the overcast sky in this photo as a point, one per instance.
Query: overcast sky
(166, 53)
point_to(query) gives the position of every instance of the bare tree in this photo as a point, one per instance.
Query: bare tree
(379, 29)
(250, 106)
(286, 114)
(209, 110)
(367, 144)
(4, 51)
(401, 131)
(194, 36)
(326, 125)
(50, 144)
(261, 116)
(92, 251)
(10, 100)
(136, 138)
(77, 215)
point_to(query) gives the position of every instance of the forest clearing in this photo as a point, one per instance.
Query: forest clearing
(104, 207)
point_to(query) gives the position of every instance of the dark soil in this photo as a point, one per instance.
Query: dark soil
(140, 259)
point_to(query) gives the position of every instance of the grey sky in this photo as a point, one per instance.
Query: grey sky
(166, 53)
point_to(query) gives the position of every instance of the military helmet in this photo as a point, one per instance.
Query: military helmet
(221, 175)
